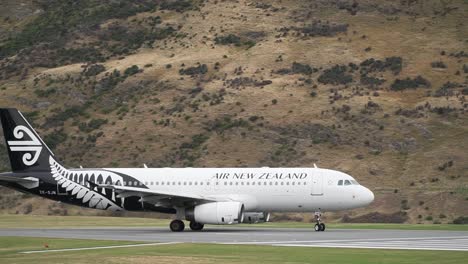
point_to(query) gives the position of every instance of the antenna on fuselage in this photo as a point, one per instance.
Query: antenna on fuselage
(144, 165)
(315, 166)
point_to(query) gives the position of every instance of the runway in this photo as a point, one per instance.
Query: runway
(290, 237)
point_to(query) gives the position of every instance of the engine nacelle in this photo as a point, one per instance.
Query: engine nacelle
(256, 217)
(217, 213)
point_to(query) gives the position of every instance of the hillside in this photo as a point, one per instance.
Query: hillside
(373, 88)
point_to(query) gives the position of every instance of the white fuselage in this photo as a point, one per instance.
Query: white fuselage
(259, 189)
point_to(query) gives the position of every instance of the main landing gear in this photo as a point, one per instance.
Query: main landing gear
(196, 226)
(179, 226)
(319, 226)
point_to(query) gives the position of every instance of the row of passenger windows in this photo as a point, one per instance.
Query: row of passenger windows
(136, 183)
(347, 182)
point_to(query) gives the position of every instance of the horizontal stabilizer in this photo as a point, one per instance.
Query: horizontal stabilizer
(27, 182)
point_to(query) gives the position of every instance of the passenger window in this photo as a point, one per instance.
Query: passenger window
(347, 182)
(340, 182)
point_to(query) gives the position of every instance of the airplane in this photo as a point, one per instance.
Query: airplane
(219, 196)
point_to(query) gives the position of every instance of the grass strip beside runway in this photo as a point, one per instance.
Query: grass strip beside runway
(10, 248)
(40, 221)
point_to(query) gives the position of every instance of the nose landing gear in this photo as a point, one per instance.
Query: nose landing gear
(319, 226)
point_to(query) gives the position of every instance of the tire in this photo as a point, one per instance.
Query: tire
(196, 226)
(317, 228)
(322, 227)
(177, 226)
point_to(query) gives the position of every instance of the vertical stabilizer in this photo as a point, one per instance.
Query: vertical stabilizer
(26, 150)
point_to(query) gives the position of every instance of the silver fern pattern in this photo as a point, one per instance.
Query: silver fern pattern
(77, 184)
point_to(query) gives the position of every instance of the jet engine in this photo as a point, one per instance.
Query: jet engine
(256, 217)
(217, 213)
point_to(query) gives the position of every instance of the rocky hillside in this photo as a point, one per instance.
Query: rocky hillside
(373, 88)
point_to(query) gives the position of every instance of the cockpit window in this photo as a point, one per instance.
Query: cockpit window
(346, 182)
(340, 182)
(354, 182)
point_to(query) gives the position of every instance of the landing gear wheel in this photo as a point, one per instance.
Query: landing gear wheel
(177, 226)
(322, 227)
(196, 226)
(317, 228)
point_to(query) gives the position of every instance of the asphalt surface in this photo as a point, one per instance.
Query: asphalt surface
(293, 237)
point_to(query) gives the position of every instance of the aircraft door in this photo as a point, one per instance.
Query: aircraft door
(317, 183)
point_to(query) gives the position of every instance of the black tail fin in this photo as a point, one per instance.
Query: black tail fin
(26, 149)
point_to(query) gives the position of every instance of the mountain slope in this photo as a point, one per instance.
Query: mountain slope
(374, 88)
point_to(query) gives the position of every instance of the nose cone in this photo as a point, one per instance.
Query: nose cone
(368, 196)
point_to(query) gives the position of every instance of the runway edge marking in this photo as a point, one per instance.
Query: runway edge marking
(101, 247)
(341, 240)
(369, 247)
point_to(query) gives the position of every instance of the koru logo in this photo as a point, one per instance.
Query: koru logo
(23, 145)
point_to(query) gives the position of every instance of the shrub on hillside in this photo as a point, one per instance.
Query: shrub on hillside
(92, 125)
(132, 70)
(335, 75)
(177, 5)
(376, 217)
(235, 40)
(45, 93)
(301, 68)
(394, 64)
(408, 83)
(438, 64)
(319, 28)
(462, 220)
(93, 69)
(228, 39)
(446, 89)
(55, 138)
(200, 69)
(371, 81)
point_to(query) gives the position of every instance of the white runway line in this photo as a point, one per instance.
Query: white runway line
(344, 240)
(372, 247)
(102, 247)
(458, 243)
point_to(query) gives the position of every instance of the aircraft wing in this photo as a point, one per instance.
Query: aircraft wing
(159, 198)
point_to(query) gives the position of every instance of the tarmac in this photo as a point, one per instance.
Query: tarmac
(290, 237)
